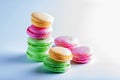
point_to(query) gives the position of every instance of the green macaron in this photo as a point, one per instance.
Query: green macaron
(40, 49)
(35, 55)
(38, 43)
(55, 66)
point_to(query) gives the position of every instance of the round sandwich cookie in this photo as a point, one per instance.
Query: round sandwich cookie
(81, 54)
(39, 33)
(41, 20)
(60, 54)
(36, 56)
(33, 50)
(42, 44)
(56, 66)
(67, 42)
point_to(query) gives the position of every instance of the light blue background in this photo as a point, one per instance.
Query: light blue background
(95, 22)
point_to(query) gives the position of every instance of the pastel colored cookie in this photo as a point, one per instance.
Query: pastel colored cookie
(55, 66)
(67, 42)
(41, 20)
(81, 54)
(37, 51)
(39, 44)
(38, 33)
(60, 54)
(36, 56)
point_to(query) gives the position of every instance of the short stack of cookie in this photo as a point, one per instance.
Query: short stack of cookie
(59, 59)
(81, 54)
(40, 39)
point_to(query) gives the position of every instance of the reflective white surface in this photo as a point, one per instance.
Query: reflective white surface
(94, 22)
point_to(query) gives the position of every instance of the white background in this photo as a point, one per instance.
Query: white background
(95, 22)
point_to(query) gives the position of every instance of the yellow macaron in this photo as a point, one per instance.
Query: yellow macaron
(41, 20)
(60, 54)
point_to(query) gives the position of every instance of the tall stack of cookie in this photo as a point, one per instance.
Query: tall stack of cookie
(40, 39)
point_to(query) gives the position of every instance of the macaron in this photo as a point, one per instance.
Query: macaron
(39, 33)
(81, 54)
(43, 44)
(66, 41)
(56, 66)
(60, 54)
(37, 51)
(41, 20)
(35, 55)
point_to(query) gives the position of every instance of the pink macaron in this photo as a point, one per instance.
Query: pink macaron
(38, 33)
(81, 54)
(67, 42)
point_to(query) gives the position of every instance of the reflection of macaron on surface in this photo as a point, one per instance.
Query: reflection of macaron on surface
(60, 54)
(81, 54)
(66, 41)
(41, 20)
(55, 66)
(38, 33)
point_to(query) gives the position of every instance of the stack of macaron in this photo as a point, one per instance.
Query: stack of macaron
(58, 60)
(40, 39)
(81, 54)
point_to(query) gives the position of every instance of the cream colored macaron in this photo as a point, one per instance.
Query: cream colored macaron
(60, 54)
(41, 20)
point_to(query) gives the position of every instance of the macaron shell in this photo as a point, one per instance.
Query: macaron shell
(59, 57)
(40, 24)
(41, 20)
(81, 50)
(60, 54)
(40, 16)
(66, 41)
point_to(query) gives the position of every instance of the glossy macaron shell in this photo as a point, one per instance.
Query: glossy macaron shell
(41, 16)
(41, 20)
(60, 54)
